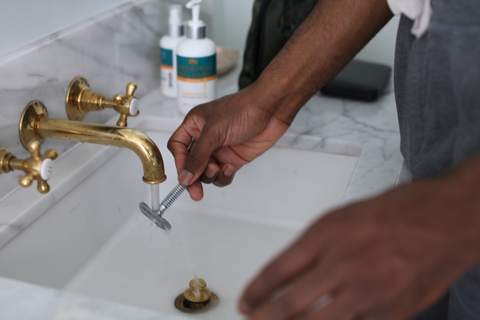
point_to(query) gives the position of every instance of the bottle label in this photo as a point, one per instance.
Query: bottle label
(197, 69)
(166, 70)
(166, 58)
(196, 81)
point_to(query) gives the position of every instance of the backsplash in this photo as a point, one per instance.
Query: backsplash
(109, 50)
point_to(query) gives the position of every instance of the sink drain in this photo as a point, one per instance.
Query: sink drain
(197, 298)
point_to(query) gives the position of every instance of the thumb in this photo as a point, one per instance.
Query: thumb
(199, 156)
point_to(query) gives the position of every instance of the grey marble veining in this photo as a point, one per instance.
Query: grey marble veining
(372, 126)
(109, 50)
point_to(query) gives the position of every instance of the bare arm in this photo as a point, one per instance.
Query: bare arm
(330, 37)
(234, 130)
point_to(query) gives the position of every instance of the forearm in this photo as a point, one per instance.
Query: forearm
(329, 38)
(462, 185)
(447, 211)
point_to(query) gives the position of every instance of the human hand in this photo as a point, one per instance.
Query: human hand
(227, 133)
(385, 258)
(233, 131)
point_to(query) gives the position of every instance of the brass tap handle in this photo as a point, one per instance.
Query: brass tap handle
(37, 167)
(126, 105)
(81, 99)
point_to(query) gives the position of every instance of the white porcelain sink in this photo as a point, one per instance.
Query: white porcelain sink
(94, 241)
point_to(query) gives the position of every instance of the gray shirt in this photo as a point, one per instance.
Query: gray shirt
(437, 89)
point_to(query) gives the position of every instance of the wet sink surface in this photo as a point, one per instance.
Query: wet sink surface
(95, 242)
(144, 268)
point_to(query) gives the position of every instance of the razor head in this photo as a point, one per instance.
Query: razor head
(155, 216)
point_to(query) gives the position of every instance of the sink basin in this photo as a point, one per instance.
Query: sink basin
(94, 241)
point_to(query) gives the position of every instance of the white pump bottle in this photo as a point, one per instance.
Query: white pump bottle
(196, 64)
(168, 51)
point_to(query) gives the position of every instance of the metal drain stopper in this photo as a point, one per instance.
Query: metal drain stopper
(197, 298)
(198, 295)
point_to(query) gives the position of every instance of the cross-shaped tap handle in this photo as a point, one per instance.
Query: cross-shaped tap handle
(126, 105)
(37, 167)
(81, 100)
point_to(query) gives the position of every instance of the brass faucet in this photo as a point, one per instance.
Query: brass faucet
(80, 100)
(36, 125)
(37, 167)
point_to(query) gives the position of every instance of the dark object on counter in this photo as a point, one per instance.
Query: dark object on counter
(359, 80)
(273, 23)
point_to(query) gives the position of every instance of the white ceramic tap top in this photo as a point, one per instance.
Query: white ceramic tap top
(134, 106)
(46, 169)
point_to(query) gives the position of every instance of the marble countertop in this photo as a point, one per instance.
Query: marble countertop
(366, 130)
(23, 301)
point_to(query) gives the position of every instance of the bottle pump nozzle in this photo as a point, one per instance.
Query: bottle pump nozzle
(175, 17)
(196, 27)
(175, 24)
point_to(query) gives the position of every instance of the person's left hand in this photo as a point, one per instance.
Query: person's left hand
(385, 258)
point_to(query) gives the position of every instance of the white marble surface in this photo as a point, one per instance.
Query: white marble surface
(109, 50)
(23, 301)
(368, 131)
(372, 126)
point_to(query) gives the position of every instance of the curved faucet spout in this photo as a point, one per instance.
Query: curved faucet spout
(138, 142)
(36, 122)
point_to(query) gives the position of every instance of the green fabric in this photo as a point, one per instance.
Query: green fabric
(269, 31)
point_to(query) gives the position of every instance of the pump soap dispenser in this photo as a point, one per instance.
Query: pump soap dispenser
(196, 64)
(168, 51)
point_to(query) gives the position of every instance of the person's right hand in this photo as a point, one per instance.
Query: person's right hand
(227, 133)
(232, 131)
